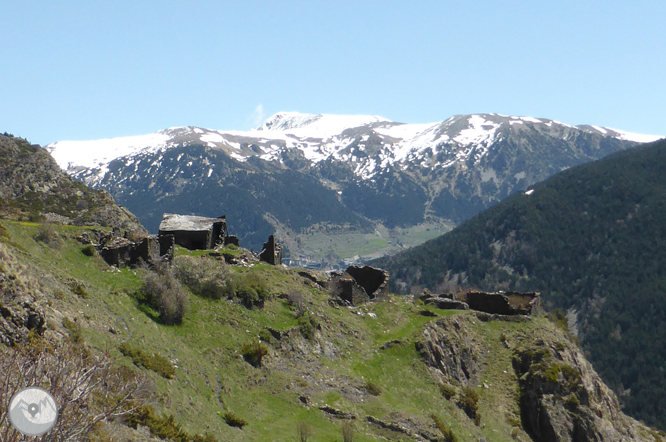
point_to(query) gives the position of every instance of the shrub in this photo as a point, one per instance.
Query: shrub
(234, 421)
(558, 317)
(347, 432)
(162, 291)
(155, 362)
(164, 427)
(469, 403)
(266, 336)
(373, 388)
(88, 250)
(254, 353)
(47, 234)
(213, 279)
(74, 330)
(77, 288)
(204, 276)
(449, 435)
(304, 431)
(295, 299)
(307, 324)
(447, 390)
(251, 289)
(86, 385)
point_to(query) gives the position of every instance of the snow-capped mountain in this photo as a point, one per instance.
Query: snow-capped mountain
(359, 170)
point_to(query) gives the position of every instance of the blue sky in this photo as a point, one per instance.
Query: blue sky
(76, 70)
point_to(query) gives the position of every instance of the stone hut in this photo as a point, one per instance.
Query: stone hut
(194, 232)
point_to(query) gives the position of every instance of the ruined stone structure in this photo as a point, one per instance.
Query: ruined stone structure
(272, 252)
(121, 252)
(504, 303)
(500, 303)
(194, 232)
(359, 284)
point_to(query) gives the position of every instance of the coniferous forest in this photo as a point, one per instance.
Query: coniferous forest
(591, 240)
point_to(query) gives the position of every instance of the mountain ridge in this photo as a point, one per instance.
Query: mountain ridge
(368, 170)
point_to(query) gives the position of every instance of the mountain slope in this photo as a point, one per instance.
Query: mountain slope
(591, 240)
(32, 187)
(353, 173)
(402, 374)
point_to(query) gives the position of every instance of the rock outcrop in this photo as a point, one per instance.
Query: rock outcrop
(450, 351)
(564, 400)
(20, 309)
(33, 187)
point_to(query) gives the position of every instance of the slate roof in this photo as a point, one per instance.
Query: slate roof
(172, 222)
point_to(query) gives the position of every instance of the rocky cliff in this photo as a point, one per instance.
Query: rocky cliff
(560, 398)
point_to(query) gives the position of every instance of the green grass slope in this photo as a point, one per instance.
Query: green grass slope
(199, 375)
(591, 240)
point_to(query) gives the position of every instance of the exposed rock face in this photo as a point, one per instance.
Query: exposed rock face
(450, 351)
(564, 400)
(20, 310)
(32, 186)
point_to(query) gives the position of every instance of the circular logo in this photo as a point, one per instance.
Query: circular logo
(33, 411)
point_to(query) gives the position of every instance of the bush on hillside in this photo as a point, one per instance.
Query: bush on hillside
(373, 388)
(214, 279)
(162, 291)
(88, 250)
(449, 435)
(304, 431)
(206, 277)
(155, 362)
(254, 353)
(234, 421)
(308, 325)
(469, 403)
(87, 386)
(164, 427)
(347, 432)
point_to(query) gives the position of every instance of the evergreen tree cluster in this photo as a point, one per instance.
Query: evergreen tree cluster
(591, 238)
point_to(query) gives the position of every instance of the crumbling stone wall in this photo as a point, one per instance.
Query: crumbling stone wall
(358, 285)
(272, 252)
(504, 303)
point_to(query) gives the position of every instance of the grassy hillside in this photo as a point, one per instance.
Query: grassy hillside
(590, 239)
(367, 362)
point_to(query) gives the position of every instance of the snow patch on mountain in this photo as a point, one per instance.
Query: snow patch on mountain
(320, 126)
(98, 153)
(319, 137)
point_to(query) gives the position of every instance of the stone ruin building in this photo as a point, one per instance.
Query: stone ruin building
(195, 232)
(189, 231)
(500, 303)
(358, 285)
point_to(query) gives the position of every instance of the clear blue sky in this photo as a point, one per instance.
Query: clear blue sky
(76, 70)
